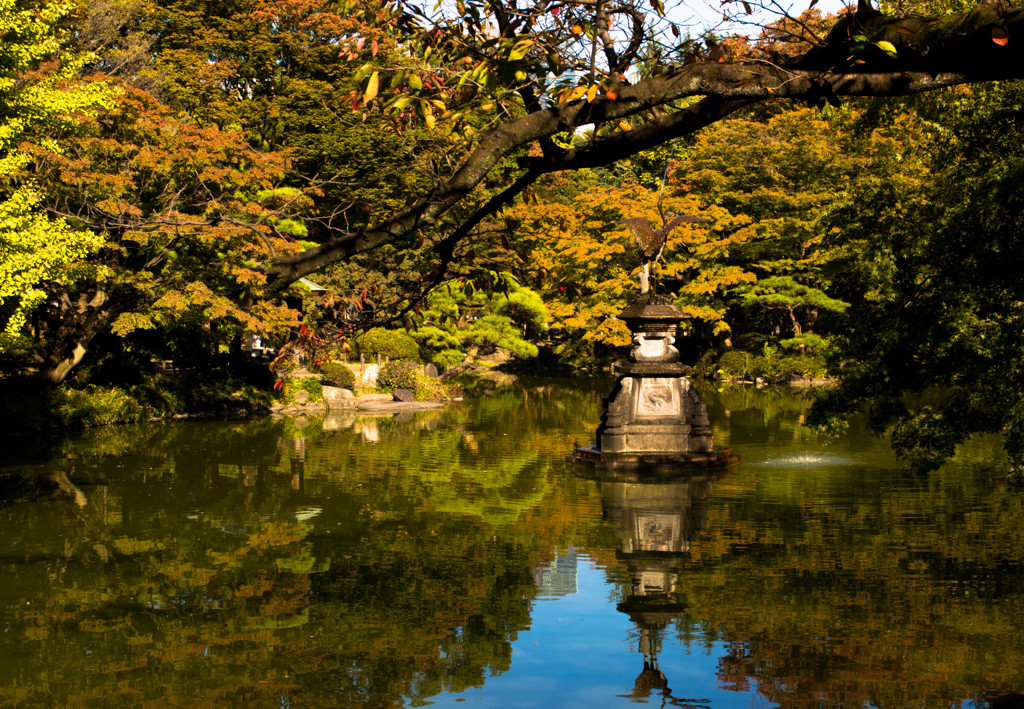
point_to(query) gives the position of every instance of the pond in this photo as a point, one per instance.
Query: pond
(453, 556)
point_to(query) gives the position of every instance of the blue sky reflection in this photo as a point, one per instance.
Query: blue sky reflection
(582, 652)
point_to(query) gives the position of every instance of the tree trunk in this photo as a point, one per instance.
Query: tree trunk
(797, 331)
(466, 364)
(77, 324)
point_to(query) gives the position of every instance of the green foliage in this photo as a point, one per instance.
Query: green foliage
(459, 316)
(807, 342)
(788, 295)
(493, 332)
(736, 364)
(941, 313)
(525, 308)
(431, 389)
(32, 410)
(446, 359)
(337, 374)
(434, 341)
(311, 385)
(35, 103)
(398, 375)
(768, 364)
(393, 344)
(99, 407)
(409, 375)
(924, 439)
(811, 366)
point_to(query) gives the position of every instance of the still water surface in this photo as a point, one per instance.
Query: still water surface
(453, 557)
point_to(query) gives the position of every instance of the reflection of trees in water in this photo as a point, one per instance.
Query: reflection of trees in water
(756, 415)
(864, 586)
(246, 562)
(243, 562)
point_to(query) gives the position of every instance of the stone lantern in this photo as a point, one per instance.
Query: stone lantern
(653, 418)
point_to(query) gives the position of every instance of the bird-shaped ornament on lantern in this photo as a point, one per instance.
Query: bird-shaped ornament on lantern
(651, 242)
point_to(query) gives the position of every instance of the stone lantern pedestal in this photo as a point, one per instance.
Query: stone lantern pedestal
(653, 418)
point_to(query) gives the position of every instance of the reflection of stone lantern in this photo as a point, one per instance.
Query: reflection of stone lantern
(655, 519)
(653, 417)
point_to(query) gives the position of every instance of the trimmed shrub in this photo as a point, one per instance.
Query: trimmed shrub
(434, 339)
(393, 344)
(802, 366)
(808, 342)
(736, 364)
(336, 374)
(526, 309)
(493, 332)
(398, 375)
(446, 359)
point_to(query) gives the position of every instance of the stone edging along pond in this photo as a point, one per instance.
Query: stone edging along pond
(370, 403)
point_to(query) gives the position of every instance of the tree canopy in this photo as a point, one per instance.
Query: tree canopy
(501, 80)
(178, 165)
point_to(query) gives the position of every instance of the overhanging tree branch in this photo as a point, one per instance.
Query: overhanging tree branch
(930, 54)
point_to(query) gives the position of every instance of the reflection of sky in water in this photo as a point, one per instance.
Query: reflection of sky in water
(595, 648)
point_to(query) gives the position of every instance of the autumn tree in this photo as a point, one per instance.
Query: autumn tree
(571, 246)
(537, 72)
(184, 214)
(795, 178)
(40, 91)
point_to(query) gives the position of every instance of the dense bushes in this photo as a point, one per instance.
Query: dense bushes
(408, 375)
(446, 359)
(336, 374)
(398, 375)
(391, 344)
(769, 364)
(99, 407)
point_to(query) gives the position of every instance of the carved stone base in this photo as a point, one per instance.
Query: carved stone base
(653, 417)
(653, 462)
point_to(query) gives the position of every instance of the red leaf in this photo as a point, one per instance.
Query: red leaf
(278, 385)
(303, 330)
(1000, 36)
(373, 48)
(504, 244)
(359, 44)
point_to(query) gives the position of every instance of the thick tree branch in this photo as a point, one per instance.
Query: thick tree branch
(931, 54)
